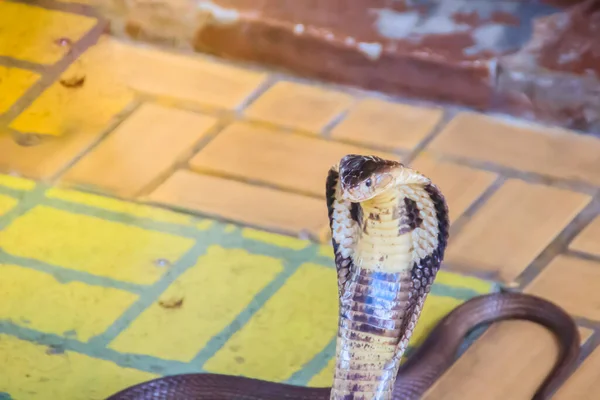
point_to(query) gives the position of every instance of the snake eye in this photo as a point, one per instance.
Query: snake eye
(368, 182)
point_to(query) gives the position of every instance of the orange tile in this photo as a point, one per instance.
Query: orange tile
(297, 106)
(242, 202)
(513, 228)
(584, 384)
(571, 283)
(547, 151)
(588, 240)
(46, 159)
(509, 361)
(374, 122)
(460, 185)
(143, 148)
(292, 161)
(193, 79)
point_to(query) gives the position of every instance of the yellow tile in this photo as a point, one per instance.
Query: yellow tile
(571, 283)
(325, 377)
(15, 182)
(588, 240)
(275, 239)
(513, 228)
(142, 150)
(107, 203)
(14, 82)
(37, 300)
(6, 203)
(553, 152)
(463, 281)
(508, 362)
(214, 292)
(584, 384)
(230, 228)
(33, 374)
(92, 245)
(326, 251)
(434, 309)
(297, 106)
(254, 205)
(460, 185)
(205, 224)
(292, 161)
(36, 40)
(193, 79)
(391, 125)
(81, 111)
(287, 332)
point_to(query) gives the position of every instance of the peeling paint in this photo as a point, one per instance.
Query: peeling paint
(221, 14)
(371, 50)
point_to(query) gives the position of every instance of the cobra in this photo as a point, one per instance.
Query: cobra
(389, 227)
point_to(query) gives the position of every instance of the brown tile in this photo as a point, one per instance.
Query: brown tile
(572, 283)
(140, 150)
(509, 361)
(547, 151)
(513, 228)
(297, 106)
(390, 125)
(584, 384)
(242, 202)
(292, 161)
(459, 184)
(588, 240)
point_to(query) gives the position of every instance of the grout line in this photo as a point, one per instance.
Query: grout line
(182, 162)
(447, 116)
(262, 88)
(460, 223)
(117, 120)
(529, 177)
(313, 367)
(326, 131)
(73, 8)
(52, 74)
(559, 244)
(150, 295)
(66, 275)
(22, 64)
(255, 305)
(138, 361)
(581, 255)
(257, 182)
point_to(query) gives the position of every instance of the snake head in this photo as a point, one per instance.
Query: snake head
(364, 177)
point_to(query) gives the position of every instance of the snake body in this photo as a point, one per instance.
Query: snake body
(389, 227)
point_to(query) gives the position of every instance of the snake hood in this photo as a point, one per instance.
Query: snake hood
(364, 177)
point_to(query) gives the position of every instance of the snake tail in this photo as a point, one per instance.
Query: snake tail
(388, 239)
(439, 350)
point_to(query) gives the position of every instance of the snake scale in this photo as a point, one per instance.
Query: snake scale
(389, 227)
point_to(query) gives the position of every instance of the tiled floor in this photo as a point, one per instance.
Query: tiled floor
(127, 290)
